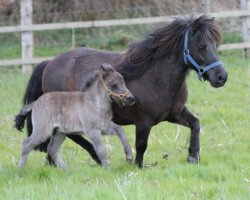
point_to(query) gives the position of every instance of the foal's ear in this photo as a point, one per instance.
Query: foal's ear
(196, 25)
(106, 69)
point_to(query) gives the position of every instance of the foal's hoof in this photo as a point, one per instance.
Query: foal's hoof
(129, 159)
(192, 160)
(62, 166)
(105, 164)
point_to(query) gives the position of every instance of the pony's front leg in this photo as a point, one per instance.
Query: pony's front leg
(141, 142)
(186, 118)
(96, 139)
(86, 145)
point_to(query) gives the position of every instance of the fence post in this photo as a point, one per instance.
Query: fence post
(245, 5)
(206, 6)
(73, 38)
(27, 36)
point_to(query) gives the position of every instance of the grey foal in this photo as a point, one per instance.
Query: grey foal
(56, 114)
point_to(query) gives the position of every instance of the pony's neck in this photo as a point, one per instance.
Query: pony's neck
(173, 70)
(167, 74)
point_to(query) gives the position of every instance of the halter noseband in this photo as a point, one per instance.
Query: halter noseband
(111, 93)
(200, 70)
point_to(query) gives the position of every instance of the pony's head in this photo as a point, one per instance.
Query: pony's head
(201, 40)
(114, 84)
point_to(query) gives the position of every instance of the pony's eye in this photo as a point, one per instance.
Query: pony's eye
(202, 47)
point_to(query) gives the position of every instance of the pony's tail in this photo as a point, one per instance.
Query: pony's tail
(20, 118)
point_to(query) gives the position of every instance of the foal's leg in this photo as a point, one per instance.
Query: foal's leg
(96, 139)
(121, 134)
(141, 142)
(27, 147)
(54, 149)
(29, 144)
(85, 144)
(186, 118)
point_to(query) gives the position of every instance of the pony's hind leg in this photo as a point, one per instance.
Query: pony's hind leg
(54, 149)
(96, 139)
(114, 128)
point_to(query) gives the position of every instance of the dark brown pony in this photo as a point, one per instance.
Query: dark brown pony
(155, 73)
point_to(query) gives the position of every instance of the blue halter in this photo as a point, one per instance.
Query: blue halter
(200, 70)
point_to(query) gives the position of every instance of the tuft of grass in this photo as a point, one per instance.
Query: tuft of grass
(223, 172)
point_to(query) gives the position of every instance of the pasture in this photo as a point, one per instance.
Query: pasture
(223, 172)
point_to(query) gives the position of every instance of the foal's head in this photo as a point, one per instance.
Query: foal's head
(114, 84)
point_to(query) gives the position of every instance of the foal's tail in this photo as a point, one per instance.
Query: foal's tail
(32, 93)
(20, 118)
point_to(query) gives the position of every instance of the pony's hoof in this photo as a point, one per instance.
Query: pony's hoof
(192, 160)
(96, 159)
(129, 160)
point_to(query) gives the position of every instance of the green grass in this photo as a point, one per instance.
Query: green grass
(223, 173)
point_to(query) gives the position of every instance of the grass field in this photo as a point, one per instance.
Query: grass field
(223, 173)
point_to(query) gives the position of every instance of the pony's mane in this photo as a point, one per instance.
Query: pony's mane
(164, 42)
(92, 78)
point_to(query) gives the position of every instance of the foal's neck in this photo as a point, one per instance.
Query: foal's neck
(99, 96)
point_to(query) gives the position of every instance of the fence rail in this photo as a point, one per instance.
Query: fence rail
(27, 28)
(116, 22)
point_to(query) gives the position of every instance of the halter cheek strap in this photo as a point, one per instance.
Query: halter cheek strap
(200, 70)
(111, 93)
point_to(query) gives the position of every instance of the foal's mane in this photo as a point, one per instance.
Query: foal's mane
(164, 41)
(92, 78)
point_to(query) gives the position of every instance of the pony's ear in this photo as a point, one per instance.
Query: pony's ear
(196, 25)
(105, 69)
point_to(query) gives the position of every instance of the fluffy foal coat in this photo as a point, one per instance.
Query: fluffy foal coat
(57, 114)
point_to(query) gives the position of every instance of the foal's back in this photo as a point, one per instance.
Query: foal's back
(66, 111)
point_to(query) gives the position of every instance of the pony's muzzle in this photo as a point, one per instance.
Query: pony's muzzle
(221, 78)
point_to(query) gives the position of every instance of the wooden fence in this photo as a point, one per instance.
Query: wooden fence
(27, 28)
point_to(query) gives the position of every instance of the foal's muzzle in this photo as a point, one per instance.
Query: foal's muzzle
(129, 100)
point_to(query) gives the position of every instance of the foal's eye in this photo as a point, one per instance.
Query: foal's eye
(114, 87)
(202, 47)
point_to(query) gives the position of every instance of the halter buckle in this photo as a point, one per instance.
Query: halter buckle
(201, 69)
(186, 52)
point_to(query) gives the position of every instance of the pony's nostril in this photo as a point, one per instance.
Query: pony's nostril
(221, 78)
